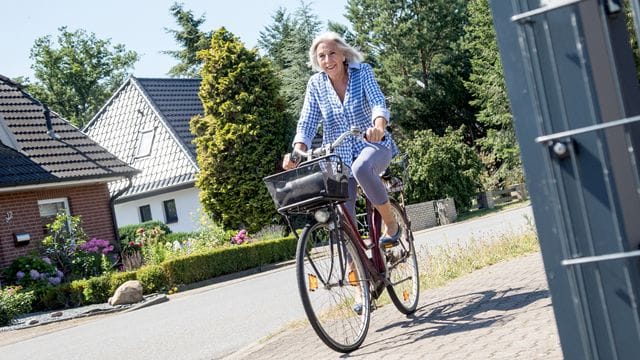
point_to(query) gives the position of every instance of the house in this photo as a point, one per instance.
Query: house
(46, 166)
(146, 124)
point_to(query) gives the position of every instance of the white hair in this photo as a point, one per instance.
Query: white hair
(351, 54)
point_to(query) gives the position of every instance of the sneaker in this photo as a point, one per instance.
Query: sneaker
(390, 241)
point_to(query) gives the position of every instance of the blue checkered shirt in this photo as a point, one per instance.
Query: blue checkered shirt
(363, 102)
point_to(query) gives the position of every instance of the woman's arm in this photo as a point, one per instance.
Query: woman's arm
(375, 97)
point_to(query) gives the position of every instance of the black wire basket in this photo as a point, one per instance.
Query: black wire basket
(311, 185)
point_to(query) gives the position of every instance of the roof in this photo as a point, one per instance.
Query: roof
(31, 154)
(164, 106)
(177, 101)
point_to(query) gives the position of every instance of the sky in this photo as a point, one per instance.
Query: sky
(138, 24)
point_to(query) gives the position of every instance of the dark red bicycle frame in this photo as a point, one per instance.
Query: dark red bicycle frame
(374, 264)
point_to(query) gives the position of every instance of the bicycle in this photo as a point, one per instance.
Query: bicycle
(339, 274)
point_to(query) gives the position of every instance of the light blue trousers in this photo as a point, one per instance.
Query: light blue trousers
(366, 170)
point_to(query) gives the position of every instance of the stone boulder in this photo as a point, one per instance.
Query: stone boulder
(128, 293)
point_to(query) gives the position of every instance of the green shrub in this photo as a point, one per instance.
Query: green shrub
(153, 278)
(64, 234)
(97, 289)
(14, 302)
(127, 233)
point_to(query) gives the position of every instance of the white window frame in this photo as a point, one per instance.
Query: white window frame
(64, 200)
(142, 136)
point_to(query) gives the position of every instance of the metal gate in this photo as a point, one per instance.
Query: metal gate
(575, 98)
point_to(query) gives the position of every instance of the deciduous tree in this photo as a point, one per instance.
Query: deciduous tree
(442, 166)
(76, 75)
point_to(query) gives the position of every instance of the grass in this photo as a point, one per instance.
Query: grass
(445, 264)
(476, 213)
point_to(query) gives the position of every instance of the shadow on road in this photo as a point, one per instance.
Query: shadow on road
(456, 314)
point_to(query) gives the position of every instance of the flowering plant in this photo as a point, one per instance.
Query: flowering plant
(29, 271)
(97, 246)
(92, 258)
(241, 237)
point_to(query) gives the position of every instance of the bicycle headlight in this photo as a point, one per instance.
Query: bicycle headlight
(322, 215)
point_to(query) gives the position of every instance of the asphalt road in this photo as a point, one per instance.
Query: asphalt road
(217, 320)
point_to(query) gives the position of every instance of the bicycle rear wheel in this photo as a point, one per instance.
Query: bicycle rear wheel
(331, 281)
(402, 266)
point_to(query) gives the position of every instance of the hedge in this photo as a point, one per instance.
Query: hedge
(156, 278)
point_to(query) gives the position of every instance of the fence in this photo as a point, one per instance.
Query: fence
(490, 198)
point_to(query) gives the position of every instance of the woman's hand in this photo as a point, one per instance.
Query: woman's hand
(376, 133)
(289, 163)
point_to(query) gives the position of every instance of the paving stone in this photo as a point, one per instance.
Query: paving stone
(499, 312)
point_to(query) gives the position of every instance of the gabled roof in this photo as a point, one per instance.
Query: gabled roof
(177, 102)
(33, 152)
(164, 106)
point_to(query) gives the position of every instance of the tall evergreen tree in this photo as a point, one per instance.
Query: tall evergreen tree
(242, 135)
(500, 149)
(421, 67)
(76, 75)
(287, 42)
(191, 39)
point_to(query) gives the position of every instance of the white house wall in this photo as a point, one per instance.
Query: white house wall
(187, 206)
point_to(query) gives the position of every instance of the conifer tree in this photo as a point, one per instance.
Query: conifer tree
(243, 134)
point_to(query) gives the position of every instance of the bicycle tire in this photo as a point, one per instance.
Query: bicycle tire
(402, 266)
(329, 303)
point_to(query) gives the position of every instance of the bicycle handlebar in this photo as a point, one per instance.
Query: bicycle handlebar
(326, 149)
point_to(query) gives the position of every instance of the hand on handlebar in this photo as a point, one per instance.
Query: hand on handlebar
(374, 134)
(292, 160)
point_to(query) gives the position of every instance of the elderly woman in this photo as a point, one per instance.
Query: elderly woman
(342, 94)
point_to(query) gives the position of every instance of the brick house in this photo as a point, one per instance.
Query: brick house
(47, 165)
(146, 124)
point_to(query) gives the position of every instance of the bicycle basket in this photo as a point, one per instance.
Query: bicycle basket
(309, 186)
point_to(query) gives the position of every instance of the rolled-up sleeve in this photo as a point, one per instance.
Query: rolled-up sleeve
(309, 116)
(375, 97)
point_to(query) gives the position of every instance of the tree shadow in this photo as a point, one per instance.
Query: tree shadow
(457, 314)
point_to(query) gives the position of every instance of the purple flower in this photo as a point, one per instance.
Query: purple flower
(97, 246)
(35, 275)
(54, 281)
(47, 260)
(59, 274)
(19, 275)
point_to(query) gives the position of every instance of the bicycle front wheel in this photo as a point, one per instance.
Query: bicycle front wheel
(402, 266)
(333, 286)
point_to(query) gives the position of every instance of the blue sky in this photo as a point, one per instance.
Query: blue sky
(138, 24)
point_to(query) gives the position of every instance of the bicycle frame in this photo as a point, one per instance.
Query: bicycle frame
(375, 265)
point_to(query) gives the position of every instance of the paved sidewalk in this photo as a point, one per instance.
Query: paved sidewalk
(499, 312)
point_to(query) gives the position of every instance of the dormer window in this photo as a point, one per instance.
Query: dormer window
(6, 136)
(145, 142)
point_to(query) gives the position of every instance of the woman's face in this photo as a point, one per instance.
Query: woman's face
(330, 58)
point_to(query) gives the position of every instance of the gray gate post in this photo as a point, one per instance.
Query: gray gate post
(569, 71)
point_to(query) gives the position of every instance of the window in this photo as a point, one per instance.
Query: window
(145, 142)
(145, 213)
(49, 208)
(170, 212)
